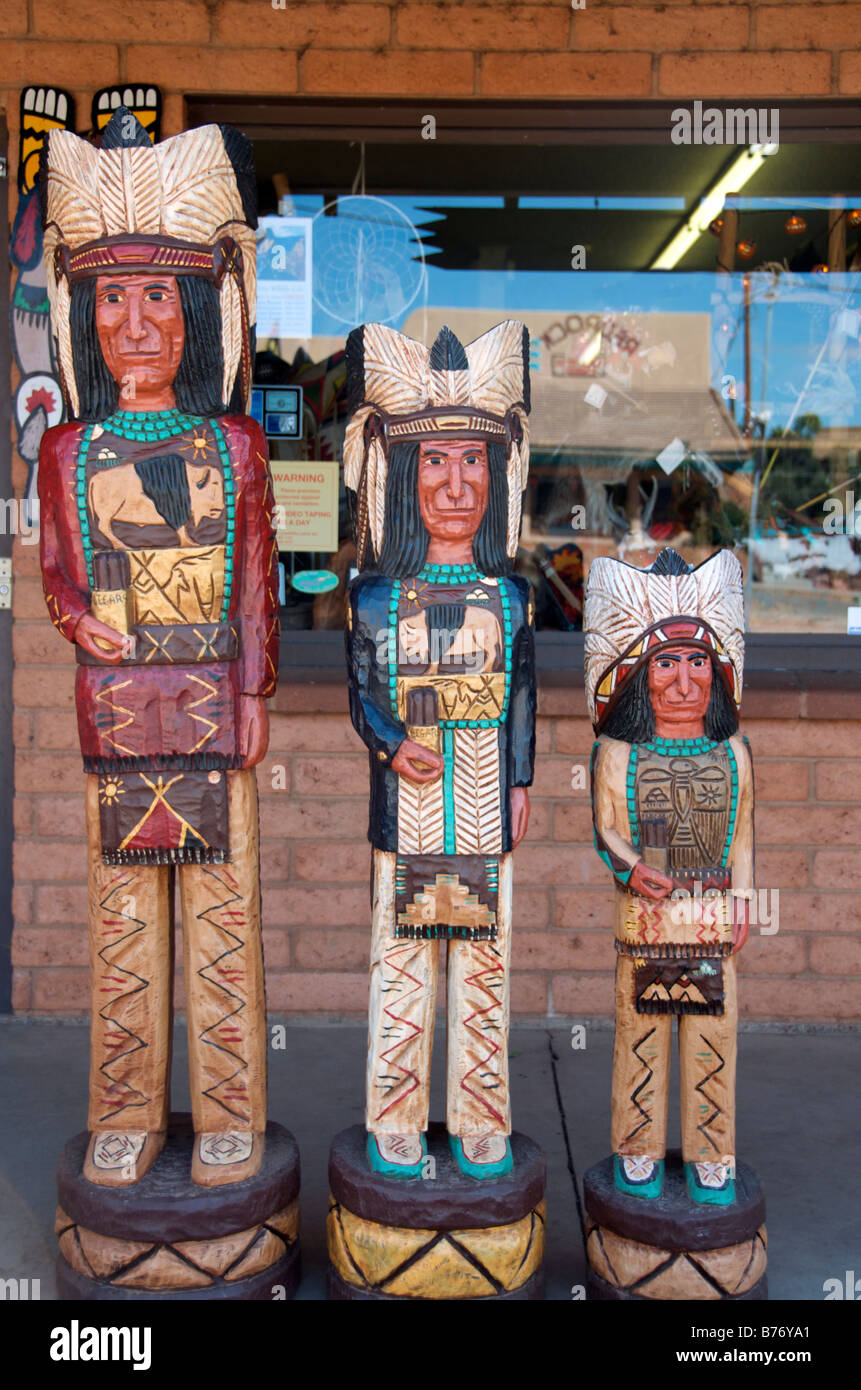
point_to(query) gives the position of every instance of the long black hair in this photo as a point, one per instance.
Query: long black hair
(632, 718)
(198, 381)
(406, 538)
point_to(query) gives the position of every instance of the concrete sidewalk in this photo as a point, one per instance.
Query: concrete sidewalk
(799, 1125)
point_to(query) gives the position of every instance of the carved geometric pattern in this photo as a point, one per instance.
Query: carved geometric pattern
(648, 1271)
(187, 1264)
(435, 1264)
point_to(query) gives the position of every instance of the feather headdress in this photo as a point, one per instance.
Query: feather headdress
(400, 390)
(630, 614)
(186, 206)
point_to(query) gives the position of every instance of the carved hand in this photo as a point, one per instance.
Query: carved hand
(519, 803)
(253, 728)
(417, 763)
(100, 640)
(649, 882)
(740, 922)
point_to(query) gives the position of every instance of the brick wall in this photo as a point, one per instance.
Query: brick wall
(315, 857)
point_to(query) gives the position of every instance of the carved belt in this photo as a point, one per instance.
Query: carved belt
(176, 644)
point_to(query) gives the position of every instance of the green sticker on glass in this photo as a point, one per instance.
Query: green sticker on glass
(314, 581)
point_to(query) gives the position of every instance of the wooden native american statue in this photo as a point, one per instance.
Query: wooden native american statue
(442, 691)
(672, 796)
(159, 564)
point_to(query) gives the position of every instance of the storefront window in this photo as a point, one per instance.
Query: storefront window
(695, 318)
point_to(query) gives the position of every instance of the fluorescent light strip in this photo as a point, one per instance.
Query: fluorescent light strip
(740, 172)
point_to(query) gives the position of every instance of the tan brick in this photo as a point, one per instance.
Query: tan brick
(302, 25)
(779, 74)
(804, 738)
(55, 860)
(22, 902)
(330, 776)
(821, 912)
(52, 946)
(224, 70)
(57, 729)
(22, 812)
(566, 74)
(573, 821)
(574, 736)
(26, 60)
(771, 704)
(782, 868)
(40, 644)
(313, 733)
(338, 818)
(781, 781)
(400, 72)
(37, 689)
(586, 909)
(584, 995)
(274, 778)
(553, 777)
(21, 990)
(774, 955)
(28, 601)
(13, 17)
(62, 815)
(531, 905)
(838, 781)
(658, 29)
(807, 26)
(836, 869)
(835, 955)
(22, 729)
(825, 825)
(317, 907)
(850, 74)
(528, 993)
(472, 27)
(48, 772)
(543, 865)
(560, 951)
(61, 990)
(540, 820)
(344, 863)
(318, 992)
(25, 558)
(333, 950)
(65, 902)
(171, 21)
(276, 949)
(274, 861)
(826, 1000)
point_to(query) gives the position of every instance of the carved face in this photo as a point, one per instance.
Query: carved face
(453, 486)
(141, 330)
(680, 684)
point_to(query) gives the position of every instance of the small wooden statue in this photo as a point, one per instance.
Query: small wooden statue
(442, 691)
(159, 563)
(672, 795)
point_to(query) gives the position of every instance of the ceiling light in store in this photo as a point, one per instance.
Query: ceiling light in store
(740, 172)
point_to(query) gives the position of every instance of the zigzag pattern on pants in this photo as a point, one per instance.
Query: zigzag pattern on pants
(216, 1035)
(635, 1094)
(397, 1021)
(701, 1085)
(487, 1061)
(125, 985)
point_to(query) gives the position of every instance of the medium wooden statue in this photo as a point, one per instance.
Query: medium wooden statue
(672, 795)
(159, 563)
(442, 692)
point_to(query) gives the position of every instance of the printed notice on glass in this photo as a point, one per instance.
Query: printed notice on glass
(283, 278)
(306, 504)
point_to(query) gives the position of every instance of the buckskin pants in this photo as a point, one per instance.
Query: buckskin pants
(641, 1075)
(401, 1021)
(131, 969)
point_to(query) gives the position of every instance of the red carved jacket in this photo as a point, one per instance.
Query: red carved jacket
(175, 702)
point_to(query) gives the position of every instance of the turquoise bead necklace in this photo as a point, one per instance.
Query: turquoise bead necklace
(150, 426)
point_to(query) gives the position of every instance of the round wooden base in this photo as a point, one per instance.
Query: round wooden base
(444, 1236)
(671, 1247)
(167, 1237)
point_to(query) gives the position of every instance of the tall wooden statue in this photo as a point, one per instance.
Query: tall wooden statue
(672, 796)
(442, 691)
(159, 563)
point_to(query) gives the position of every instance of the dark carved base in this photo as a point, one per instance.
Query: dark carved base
(445, 1236)
(671, 1247)
(166, 1237)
